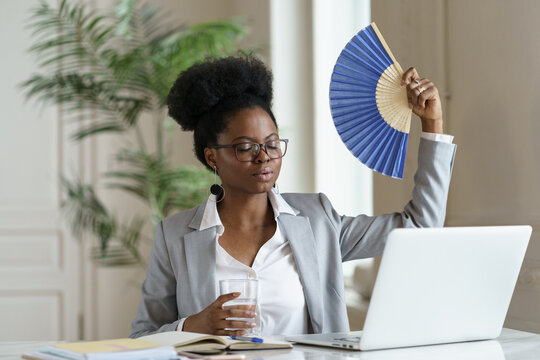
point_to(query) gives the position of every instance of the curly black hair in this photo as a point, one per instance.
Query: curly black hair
(205, 95)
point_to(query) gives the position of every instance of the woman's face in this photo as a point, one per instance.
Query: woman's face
(254, 177)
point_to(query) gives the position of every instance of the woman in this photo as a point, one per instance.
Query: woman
(293, 243)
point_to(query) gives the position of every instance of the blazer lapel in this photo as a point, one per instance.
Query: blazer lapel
(297, 230)
(200, 247)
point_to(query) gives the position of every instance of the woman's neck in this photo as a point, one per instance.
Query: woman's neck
(245, 210)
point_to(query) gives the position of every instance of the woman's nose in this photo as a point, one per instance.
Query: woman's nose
(263, 156)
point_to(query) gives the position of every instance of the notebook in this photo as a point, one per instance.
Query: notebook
(438, 285)
(209, 344)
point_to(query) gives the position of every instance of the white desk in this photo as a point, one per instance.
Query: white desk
(511, 345)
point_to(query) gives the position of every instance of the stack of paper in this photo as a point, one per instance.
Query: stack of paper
(116, 349)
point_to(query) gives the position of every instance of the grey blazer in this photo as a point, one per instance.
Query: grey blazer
(180, 279)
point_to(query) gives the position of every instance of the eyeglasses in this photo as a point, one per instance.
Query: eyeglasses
(249, 151)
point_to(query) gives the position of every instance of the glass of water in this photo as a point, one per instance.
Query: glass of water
(249, 290)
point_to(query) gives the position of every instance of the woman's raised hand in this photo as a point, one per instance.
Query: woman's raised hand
(424, 100)
(213, 319)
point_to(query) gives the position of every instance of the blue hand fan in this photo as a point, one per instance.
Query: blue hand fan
(369, 106)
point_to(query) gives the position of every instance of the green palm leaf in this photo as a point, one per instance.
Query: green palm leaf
(162, 187)
(108, 70)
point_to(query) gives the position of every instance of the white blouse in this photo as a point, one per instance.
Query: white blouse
(282, 305)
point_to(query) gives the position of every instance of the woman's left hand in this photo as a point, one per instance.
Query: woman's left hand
(424, 100)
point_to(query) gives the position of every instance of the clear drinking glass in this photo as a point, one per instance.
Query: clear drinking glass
(249, 290)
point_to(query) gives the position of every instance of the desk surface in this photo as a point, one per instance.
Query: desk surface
(511, 345)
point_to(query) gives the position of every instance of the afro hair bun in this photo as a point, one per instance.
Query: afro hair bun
(201, 87)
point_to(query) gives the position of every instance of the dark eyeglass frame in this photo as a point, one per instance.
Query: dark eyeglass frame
(260, 146)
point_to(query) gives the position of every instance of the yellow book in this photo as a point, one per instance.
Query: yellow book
(106, 349)
(209, 344)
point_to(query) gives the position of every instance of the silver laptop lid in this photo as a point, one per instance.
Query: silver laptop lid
(441, 285)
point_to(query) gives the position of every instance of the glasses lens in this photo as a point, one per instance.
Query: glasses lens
(247, 151)
(275, 148)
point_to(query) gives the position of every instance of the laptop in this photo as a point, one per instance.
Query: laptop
(438, 285)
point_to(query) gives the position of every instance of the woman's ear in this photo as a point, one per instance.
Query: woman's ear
(210, 156)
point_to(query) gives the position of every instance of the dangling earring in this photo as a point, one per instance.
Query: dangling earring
(276, 187)
(216, 189)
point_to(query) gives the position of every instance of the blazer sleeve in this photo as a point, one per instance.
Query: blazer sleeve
(157, 310)
(365, 236)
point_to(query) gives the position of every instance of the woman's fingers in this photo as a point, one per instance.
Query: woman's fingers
(214, 318)
(429, 93)
(223, 314)
(234, 325)
(239, 307)
(222, 299)
(237, 324)
(424, 100)
(229, 317)
(419, 91)
(239, 313)
(409, 76)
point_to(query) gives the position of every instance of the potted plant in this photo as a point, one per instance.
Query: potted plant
(115, 69)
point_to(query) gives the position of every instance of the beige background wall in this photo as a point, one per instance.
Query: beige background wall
(483, 56)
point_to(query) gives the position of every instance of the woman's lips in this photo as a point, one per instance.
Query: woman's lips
(265, 174)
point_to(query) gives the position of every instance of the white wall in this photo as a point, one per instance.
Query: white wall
(339, 174)
(307, 37)
(39, 261)
(292, 65)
